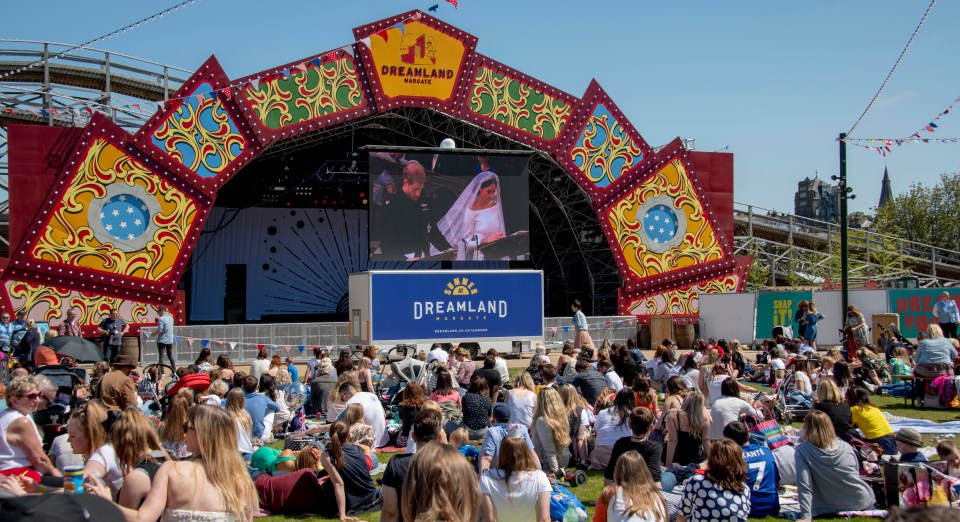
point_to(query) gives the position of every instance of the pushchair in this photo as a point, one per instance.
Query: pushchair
(790, 405)
(403, 371)
(149, 389)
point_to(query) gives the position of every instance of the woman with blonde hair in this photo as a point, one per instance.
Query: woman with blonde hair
(215, 392)
(522, 400)
(900, 364)
(633, 496)
(19, 436)
(934, 356)
(423, 501)
(551, 431)
(88, 437)
(579, 418)
(236, 407)
(214, 486)
(831, 402)
(139, 455)
(171, 433)
(687, 431)
(810, 320)
(828, 478)
(517, 490)
(365, 375)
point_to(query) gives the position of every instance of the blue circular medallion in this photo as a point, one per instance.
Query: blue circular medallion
(660, 224)
(125, 217)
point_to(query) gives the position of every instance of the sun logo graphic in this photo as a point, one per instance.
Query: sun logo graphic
(460, 287)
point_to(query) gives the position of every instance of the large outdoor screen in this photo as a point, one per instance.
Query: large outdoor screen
(448, 205)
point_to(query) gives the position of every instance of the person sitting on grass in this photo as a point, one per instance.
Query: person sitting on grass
(724, 482)
(517, 490)
(426, 429)
(490, 449)
(631, 495)
(870, 420)
(909, 442)
(828, 480)
(641, 423)
(460, 439)
(763, 477)
(423, 500)
(348, 467)
(947, 451)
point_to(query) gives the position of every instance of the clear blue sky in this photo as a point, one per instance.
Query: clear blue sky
(775, 81)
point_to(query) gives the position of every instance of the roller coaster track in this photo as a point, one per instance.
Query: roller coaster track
(799, 251)
(64, 88)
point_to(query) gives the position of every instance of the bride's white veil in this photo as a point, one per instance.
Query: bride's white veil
(453, 226)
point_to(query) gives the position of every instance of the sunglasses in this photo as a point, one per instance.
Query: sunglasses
(187, 427)
(30, 396)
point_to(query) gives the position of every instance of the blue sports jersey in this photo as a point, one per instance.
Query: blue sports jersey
(762, 478)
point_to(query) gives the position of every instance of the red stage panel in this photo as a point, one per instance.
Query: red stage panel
(36, 154)
(715, 172)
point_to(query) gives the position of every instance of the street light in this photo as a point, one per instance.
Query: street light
(845, 194)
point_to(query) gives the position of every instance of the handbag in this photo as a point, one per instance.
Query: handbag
(770, 429)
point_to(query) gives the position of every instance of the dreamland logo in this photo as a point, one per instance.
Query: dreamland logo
(417, 50)
(459, 306)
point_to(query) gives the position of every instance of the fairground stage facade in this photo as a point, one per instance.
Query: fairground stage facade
(111, 219)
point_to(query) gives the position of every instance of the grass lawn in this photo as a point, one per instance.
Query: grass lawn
(589, 492)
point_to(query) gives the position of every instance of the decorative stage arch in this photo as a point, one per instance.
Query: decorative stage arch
(124, 213)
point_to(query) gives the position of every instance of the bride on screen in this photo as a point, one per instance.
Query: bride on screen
(476, 218)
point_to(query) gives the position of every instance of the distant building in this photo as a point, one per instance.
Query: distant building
(817, 199)
(886, 193)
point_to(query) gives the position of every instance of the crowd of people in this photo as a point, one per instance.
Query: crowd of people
(675, 436)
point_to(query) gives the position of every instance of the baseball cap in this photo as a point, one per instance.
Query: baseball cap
(501, 412)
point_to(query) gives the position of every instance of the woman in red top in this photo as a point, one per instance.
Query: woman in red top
(646, 397)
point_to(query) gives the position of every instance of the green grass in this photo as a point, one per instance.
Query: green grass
(589, 492)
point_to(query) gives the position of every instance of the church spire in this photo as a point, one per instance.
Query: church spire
(886, 193)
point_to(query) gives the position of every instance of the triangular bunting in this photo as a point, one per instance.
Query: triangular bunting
(205, 342)
(232, 344)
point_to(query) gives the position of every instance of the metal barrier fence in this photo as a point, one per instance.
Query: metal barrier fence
(241, 341)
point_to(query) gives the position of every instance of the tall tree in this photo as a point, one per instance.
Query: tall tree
(925, 214)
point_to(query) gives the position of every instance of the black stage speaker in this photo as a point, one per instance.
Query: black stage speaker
(235, 295)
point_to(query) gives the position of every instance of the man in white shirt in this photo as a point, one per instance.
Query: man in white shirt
(614, 381)
(437, 353)
(373, 413)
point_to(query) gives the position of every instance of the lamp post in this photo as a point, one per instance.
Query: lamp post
(845, 193)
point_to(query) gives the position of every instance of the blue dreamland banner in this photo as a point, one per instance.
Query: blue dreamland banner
(464, 305)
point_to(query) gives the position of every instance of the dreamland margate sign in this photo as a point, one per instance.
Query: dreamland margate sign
(457, 305)
(417, 61)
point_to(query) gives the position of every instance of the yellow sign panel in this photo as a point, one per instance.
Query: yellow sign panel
(419, 61)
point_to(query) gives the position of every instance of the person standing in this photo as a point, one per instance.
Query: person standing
(164, 333)
(70, 326)
(113, 328)
(947, 314)
(798, 318)
(810, 320)
(582, 337)
(6, 329)
(18, 329)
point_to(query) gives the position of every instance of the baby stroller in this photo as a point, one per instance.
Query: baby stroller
(149, 388)
(404, 371)
(790, 405)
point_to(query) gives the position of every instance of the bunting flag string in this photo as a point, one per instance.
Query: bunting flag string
(111, 34)
(886, 144)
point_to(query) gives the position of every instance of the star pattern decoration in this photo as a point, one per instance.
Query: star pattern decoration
(125, 217)
(661, 224)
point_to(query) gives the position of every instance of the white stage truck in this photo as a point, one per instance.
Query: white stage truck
(476, 309)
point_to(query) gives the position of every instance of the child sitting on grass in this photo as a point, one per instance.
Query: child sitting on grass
(460, 439)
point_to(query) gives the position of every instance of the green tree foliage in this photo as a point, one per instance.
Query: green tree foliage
(925, 214)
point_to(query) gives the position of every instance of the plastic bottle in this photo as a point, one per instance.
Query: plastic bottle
(570, 515)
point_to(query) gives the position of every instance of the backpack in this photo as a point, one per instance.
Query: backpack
(560, 498)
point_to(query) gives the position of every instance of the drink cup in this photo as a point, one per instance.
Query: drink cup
(73, 479)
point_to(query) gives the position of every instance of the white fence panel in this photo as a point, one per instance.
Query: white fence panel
(829, 303)
(728, 316)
